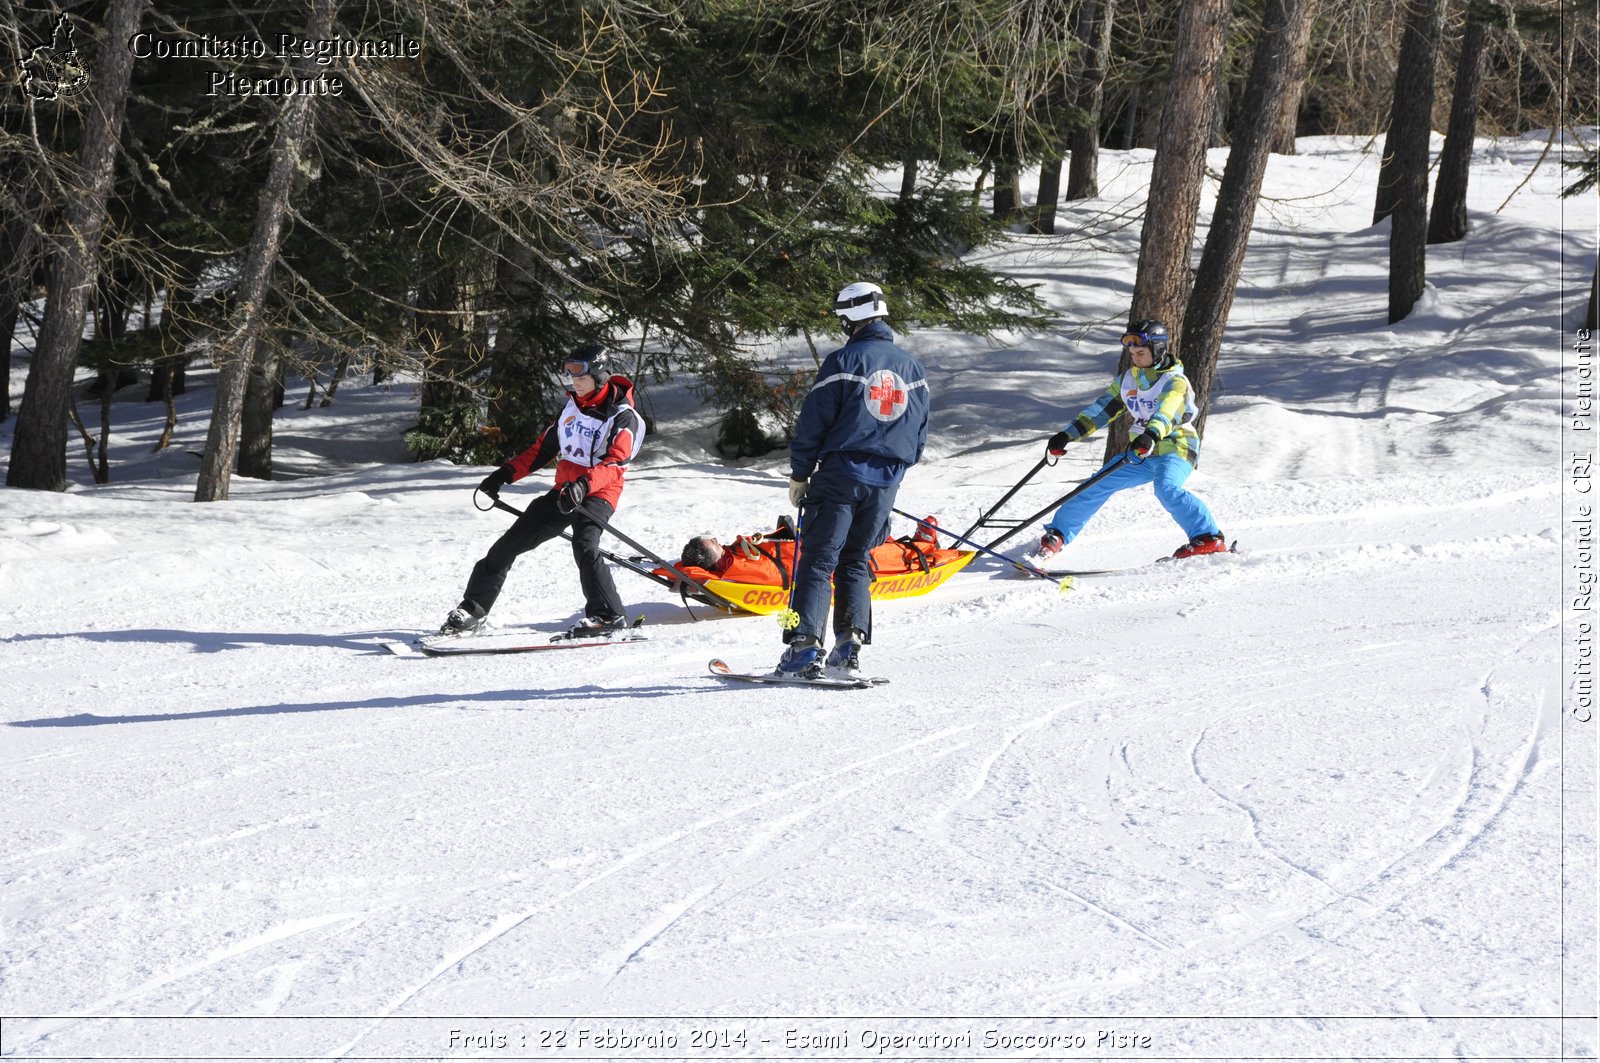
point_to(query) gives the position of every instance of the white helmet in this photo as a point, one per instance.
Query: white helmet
(861, 301)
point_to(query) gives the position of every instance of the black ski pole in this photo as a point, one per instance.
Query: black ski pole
(1007, 496)
(705, 595)
(789, 619)
(1085, 485)
(1022, 566)
(717, 599)
(645, 550)
(587, 512)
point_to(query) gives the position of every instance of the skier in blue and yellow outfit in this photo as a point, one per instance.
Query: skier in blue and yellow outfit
(1157, 398)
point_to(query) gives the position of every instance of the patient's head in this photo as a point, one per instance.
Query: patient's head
(703, 551)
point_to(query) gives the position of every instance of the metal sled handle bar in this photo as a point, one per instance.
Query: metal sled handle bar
(587, 512)
(1085, 485)
(651, 554)
(715, 599)
(1022, 565)
(1007, 496)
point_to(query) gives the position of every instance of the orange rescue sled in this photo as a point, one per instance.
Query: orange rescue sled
(759, 577)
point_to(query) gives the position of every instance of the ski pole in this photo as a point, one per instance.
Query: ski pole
(587, 512)
(789, 619)
(1023, 566)
(707, 596)
(1085, 485)
(1007, 496)
(717, 599)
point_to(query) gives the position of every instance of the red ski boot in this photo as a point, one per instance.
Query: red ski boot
(1202, 544)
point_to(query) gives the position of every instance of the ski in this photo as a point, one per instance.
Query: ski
(1071, 573)
(722, 670)
(1024, 565)
(510, 642)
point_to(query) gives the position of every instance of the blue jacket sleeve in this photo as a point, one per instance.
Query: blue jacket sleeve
(817, 413)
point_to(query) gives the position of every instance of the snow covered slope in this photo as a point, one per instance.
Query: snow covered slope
(1322, 799)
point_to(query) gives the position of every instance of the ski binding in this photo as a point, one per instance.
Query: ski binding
(722, 670)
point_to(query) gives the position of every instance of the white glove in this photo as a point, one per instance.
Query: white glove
(797, 492)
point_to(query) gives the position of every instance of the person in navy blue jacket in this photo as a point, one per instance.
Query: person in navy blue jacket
(864, 422)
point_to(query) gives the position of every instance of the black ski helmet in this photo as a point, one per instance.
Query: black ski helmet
(593, 360)
(1152, 334)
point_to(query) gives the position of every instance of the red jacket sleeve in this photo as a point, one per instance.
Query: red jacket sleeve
(536, 456)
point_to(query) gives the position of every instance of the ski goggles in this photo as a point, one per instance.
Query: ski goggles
(578, 367)
(1137, 339)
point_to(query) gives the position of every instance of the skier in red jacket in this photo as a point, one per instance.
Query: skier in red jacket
(595, 437)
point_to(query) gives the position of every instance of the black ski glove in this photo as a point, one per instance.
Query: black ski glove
(1143, 445)
(1058, 443)
(573, 494)
(494, 481)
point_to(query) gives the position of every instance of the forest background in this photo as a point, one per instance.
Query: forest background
(466, 191)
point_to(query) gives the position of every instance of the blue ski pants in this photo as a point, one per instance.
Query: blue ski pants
(1166, 473)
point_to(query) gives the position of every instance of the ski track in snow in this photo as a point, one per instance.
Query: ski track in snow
(761, 835)
(1255, 822)
(1470, 814)
(1480, 803)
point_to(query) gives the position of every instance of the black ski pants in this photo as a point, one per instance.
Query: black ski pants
(539, 523)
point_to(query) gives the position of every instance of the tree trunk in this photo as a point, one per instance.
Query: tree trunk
(19, 247)
(1049, 195)
(238, 346)
(908, 179)
(172, 414)
(8, 328)
(167, 377)
(101, 460)
(1007, 200)
(39, 449)
(1220, 263)
(1295, 89)
(168, 372)
(83, 432)
(441, 337)
(1083, 163)
(1411, 108)
(1128, 120)
(978, 183)
(1447, 222)
(1403, 175)
(1161, 285)
(255, 423)
(1083, 143)
(340, 368)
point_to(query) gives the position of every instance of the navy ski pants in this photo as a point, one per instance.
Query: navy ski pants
(841, 522)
